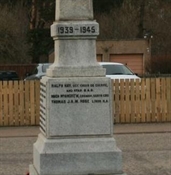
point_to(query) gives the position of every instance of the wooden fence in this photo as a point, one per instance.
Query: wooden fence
(19, 103)
(147, 100)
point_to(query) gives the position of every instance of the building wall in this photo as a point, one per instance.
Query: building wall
(134, 53)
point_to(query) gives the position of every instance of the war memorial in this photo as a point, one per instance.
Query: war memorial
(76, 111)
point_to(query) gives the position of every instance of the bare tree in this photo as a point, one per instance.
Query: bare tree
(13, 29)
(137, 19)
(33, 14)
(120, 23)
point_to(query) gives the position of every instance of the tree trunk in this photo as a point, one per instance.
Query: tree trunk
(141, 20)
(33, 17)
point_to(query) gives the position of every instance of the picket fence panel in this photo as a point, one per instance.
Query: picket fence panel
(144, 100)
(135, 101)
(19, 103)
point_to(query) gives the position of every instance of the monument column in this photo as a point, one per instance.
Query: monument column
(74, 33)
(76, 119)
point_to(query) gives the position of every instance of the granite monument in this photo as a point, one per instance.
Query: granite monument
(76, 119)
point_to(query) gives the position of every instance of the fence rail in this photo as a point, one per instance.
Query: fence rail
(140, 101)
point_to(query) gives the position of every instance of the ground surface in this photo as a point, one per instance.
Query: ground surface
(146, 149)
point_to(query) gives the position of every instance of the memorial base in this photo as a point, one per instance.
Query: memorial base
(74, 156)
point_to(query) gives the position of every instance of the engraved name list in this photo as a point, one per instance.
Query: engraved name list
(78, 93)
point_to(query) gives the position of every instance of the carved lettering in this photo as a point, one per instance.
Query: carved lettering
(83, 93)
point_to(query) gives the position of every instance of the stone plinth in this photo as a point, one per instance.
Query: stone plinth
(76, 156)
(76, 107)
(76, 128)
